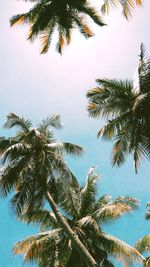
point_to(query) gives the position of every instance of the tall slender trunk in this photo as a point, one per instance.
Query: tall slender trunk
(86, 256)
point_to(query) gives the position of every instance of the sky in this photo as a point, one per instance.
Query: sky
(35, 86)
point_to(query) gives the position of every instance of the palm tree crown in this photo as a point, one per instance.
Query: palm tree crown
(31, 158)
(46, 16)
(85, 214)
(127, 110)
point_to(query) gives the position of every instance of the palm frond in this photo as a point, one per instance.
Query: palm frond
(120, 148)
(88, 194)
(111, 98)
(122, 251)
(107, 5)
(127, 6)
(83, 26)
(32, 245)
(10, 175)
(14, 120)
(143, 245)
(43, 217)
(73, 149)
(114, 126)
(115, 209)
(18, 19)
(46, 37)
(15, 151)
(70, 197)
(89, 223)
(93, 14)
(5, 143)
(53, 121)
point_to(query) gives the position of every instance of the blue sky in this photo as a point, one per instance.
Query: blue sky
(35, 86)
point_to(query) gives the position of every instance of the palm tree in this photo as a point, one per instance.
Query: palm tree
(126, 108)
(85, 214)
(46, 16)
(31, 161)
(127, 6)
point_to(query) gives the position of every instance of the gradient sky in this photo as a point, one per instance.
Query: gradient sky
(35, 86)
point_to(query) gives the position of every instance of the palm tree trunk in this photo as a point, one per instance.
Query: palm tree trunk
(88, 259)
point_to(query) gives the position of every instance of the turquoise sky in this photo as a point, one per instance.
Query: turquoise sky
(35, 86)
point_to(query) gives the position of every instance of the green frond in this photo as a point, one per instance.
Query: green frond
(93, 14)
(5, 143)
(73, 149)
(88, 194)
(94, 92)
(14, 120)
(89, 223)
(102, 201)
(53, 121)
(10, 175)
(94, 109)
(143, 245)
(14, 152)
(70, 197)
(21, 199)
(114, 126)
(112, 97)
(120, 150)
(57, 163)
(64, 147)
(116, 86)
(44, 218)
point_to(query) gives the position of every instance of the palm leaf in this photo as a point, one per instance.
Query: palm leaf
(143, 245)
(127, 6)
(44, 218)
(112, 211)
(122, 251)
(88, 194)
(46, 38)
(14, 120)
(10, 175)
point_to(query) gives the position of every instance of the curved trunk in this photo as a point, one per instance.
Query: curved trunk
(78, 245)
